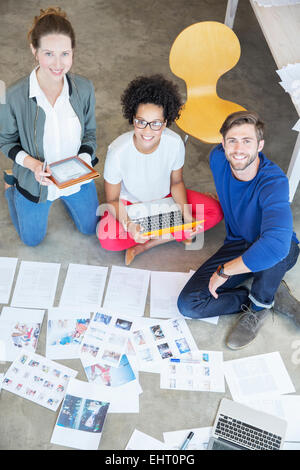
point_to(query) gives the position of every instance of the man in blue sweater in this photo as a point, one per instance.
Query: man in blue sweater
(260, 242)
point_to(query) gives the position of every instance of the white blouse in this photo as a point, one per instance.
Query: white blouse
(62, 133)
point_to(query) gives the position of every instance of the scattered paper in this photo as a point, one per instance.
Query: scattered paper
(284, 406)
(156, 341)
(7, 272)
(276, 3)
(38, 379)
(84, 287)
(65, 330)
(80, 422)
(127, 291)
(19, 329)
(199, 441)
(204, 375)
(142, 441)
(105, 339)
(257, 377)
(36, 285)
(1, 380)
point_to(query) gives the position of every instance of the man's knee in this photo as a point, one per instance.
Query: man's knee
(187, 305)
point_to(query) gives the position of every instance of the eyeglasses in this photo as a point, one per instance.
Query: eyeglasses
(154, 125)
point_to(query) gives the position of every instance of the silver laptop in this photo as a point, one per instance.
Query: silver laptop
(239, 427)
(159, 216)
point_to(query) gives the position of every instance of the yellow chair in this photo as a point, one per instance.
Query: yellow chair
(200, 55)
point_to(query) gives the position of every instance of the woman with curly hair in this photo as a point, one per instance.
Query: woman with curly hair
(49, 115)
(146, 164)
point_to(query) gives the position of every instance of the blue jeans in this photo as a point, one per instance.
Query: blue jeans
(196, 301)
(31, 219)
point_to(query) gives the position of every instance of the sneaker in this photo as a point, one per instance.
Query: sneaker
(246, 328)
(286, 304)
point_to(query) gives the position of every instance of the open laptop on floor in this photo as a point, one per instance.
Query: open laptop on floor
(159, 217)
(239, 427)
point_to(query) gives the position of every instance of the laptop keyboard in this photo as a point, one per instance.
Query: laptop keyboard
(160, 221)
(246, 435)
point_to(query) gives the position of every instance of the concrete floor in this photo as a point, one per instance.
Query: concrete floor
(118, 40)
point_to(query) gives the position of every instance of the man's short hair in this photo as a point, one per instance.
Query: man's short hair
(243, 117)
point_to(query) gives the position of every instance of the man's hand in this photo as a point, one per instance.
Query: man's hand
(215, 282)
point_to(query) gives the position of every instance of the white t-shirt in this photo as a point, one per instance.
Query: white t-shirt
(143, 177)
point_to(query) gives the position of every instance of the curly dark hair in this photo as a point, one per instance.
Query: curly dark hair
(155, 90)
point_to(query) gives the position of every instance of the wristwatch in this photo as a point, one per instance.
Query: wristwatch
(220, 272)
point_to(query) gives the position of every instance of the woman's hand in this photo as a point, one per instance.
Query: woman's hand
(37, 169)
(134, 230)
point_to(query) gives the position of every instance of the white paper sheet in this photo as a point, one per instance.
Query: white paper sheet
(7, 272)
(284, 406)
(19, 329)
(81, 418)
(127, 291)
(38, 379)
(106, 339)
(157, 341)
(142, 441)
(276, 3)
(206, 375)
(36, 285)
(84, 287)
(257, 377)
(165, 288)
(65, 330)
(175, 439)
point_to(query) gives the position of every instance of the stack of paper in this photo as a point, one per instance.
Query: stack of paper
(290, 76)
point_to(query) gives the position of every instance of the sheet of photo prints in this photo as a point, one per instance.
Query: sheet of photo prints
(38, 379)
(105, 339)
(19, 329)
(155, 341)
(81, 418)
(65, 331)
(204, 374)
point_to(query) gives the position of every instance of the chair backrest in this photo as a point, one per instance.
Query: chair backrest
(200, 55)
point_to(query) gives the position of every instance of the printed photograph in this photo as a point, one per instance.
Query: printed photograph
(182, 345)
(81, 414)
(157, 332)
(164, 350)
(139, 338)
(25, 335)
(102, 318)
(123, 324)
(176, 326)
(66, 332)
(89, 349)
(111, 376)
(112, 357)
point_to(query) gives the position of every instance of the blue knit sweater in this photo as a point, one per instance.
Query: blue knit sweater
(257, 211)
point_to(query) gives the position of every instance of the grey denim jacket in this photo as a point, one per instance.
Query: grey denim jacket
(22, 124)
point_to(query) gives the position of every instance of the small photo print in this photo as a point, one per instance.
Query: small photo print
(23, 359)
(157, 332)
(102, 318)
(25, 335)
(164, 350)
(66, 332)
(83, 415)
(139, 338)
(123, 324)
(182, 345)
(33, 363)
(112, 357)
(205, 357)
(89, 349)
(99, 374)
(103, 374)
